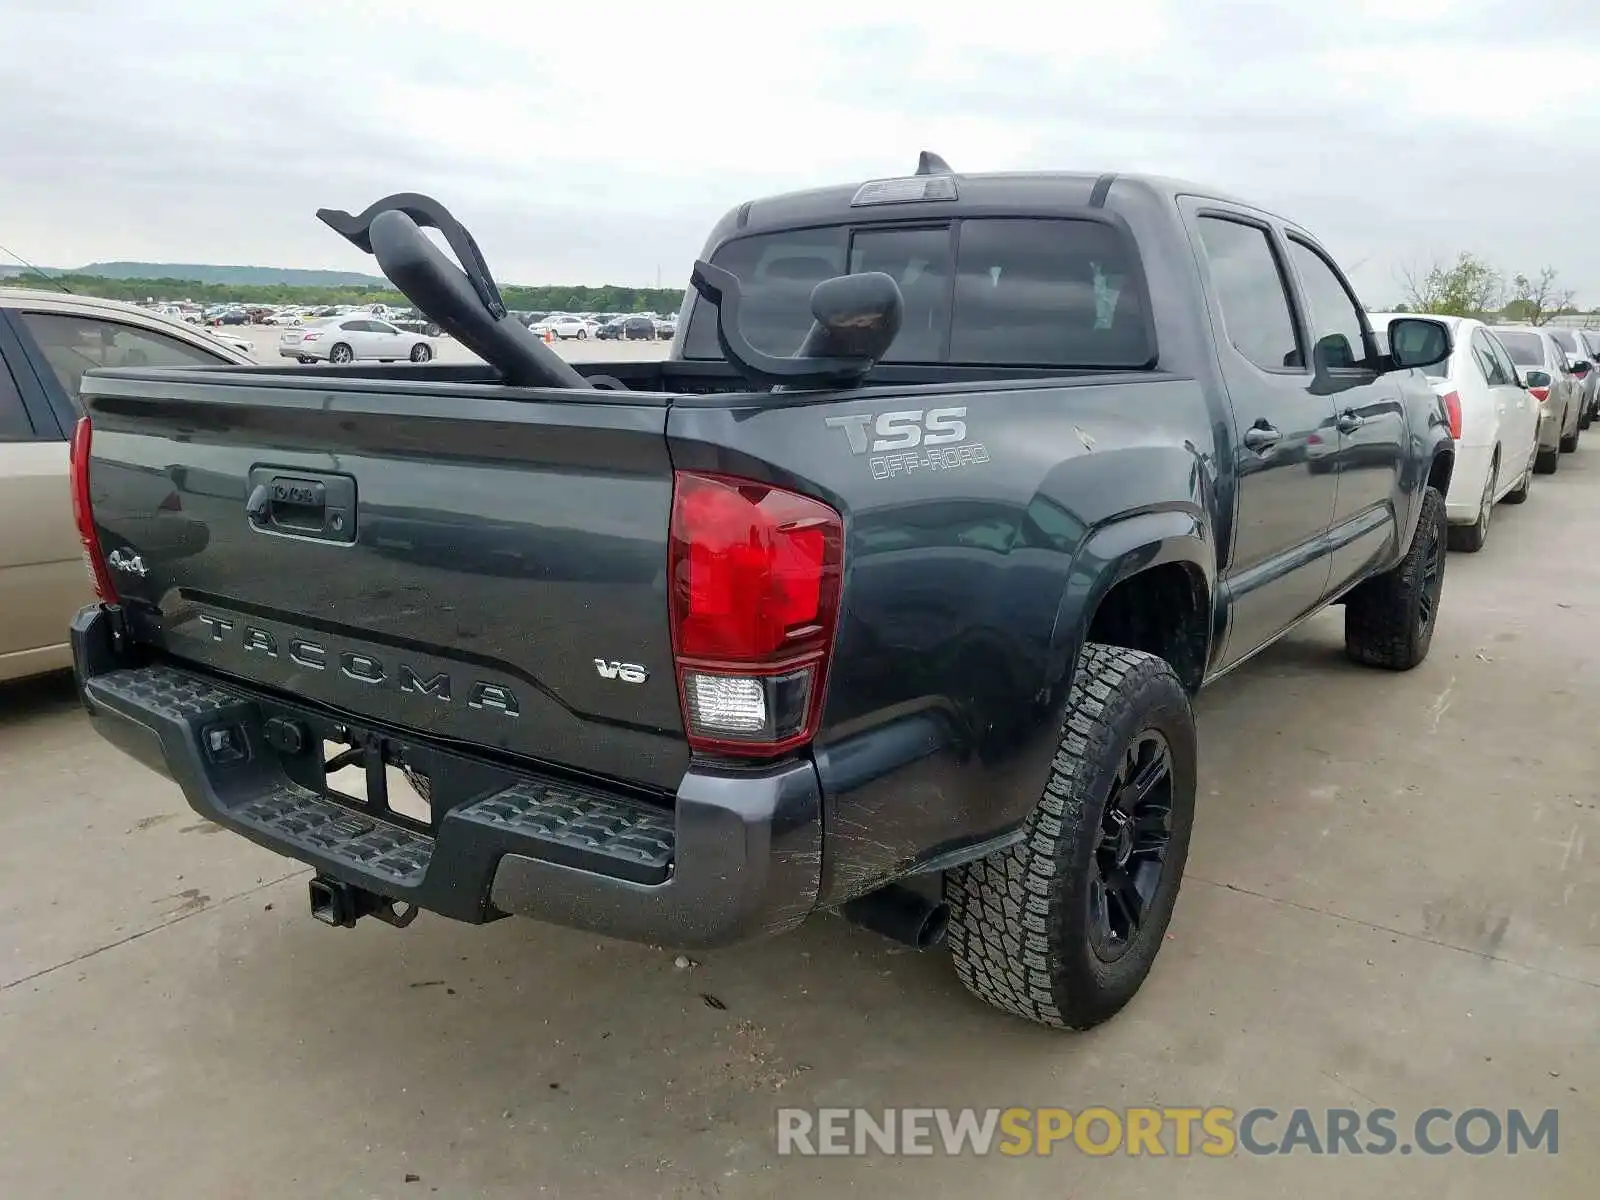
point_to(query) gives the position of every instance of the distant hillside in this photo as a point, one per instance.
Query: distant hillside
(209, 273)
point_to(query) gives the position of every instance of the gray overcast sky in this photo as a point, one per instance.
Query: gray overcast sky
(595, 143)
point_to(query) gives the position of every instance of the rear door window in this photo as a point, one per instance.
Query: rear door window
(1508, 372)
(1488, 364)
(73, 343)
(1249, 282)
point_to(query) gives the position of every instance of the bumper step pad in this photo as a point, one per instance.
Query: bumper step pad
(297, 815)
(540, 818)
(577, 826)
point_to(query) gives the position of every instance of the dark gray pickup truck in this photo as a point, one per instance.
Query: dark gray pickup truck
(887, 592)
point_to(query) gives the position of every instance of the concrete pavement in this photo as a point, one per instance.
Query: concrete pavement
(1393, 900)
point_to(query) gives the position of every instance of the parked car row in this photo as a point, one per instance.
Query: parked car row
(619, 326)
(1517, 398)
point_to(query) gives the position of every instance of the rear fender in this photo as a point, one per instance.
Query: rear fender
(1119, 551)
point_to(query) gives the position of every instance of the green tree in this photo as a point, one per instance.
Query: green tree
(1539, 299)
(1468, 287)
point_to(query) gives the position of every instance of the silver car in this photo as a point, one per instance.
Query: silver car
(1580, 346)
(349, 338)
(1543, 365)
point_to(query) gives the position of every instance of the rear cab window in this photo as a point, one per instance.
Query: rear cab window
(73, 343)
(984, 291)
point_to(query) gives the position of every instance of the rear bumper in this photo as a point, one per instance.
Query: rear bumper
(737, 856)
(1466, 483)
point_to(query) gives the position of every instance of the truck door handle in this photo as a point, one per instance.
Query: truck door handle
(1261, 437)
(1348, 422)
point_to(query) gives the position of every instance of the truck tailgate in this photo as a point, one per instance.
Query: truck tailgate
(486, 566)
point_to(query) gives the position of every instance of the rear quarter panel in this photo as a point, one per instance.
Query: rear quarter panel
(42, 579)
(968, 585)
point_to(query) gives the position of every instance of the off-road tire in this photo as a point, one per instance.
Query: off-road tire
(1470, 538)
(1020, 918)
(1386, 621)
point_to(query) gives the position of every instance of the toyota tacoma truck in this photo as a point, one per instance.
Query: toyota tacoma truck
(887, 592)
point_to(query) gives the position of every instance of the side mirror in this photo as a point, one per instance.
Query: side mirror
(1418, 342)
(1537, 379)
(1581, 367)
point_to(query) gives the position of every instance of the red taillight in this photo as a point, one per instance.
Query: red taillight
(1452, 409)
(1541, 394)
(754, 575)
(83, 513)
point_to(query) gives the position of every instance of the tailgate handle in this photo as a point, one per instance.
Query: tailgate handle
(321, 507)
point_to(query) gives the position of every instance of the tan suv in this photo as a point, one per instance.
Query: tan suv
(47, 341)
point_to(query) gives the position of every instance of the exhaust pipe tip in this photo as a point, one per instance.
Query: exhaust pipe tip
(901, 915)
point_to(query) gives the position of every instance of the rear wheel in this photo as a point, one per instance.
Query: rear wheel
(421, 352)
(1547, 462)
(1389, 620)
(582, 334)
(1063, 927)
(1470, 538)
(341, 354)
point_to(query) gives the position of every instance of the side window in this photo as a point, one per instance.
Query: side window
(1488, 364)
(1250, 290)
(380, 327)
(1335, 317)
(1508, 371)
(14, 423)
(73, 343)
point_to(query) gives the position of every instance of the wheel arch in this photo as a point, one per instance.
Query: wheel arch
(1145, 582)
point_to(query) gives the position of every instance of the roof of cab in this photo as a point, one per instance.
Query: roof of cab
(1042, 191)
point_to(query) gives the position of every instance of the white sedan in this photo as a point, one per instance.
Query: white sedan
(567, 327)
(349, 338)
(1494, 420)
